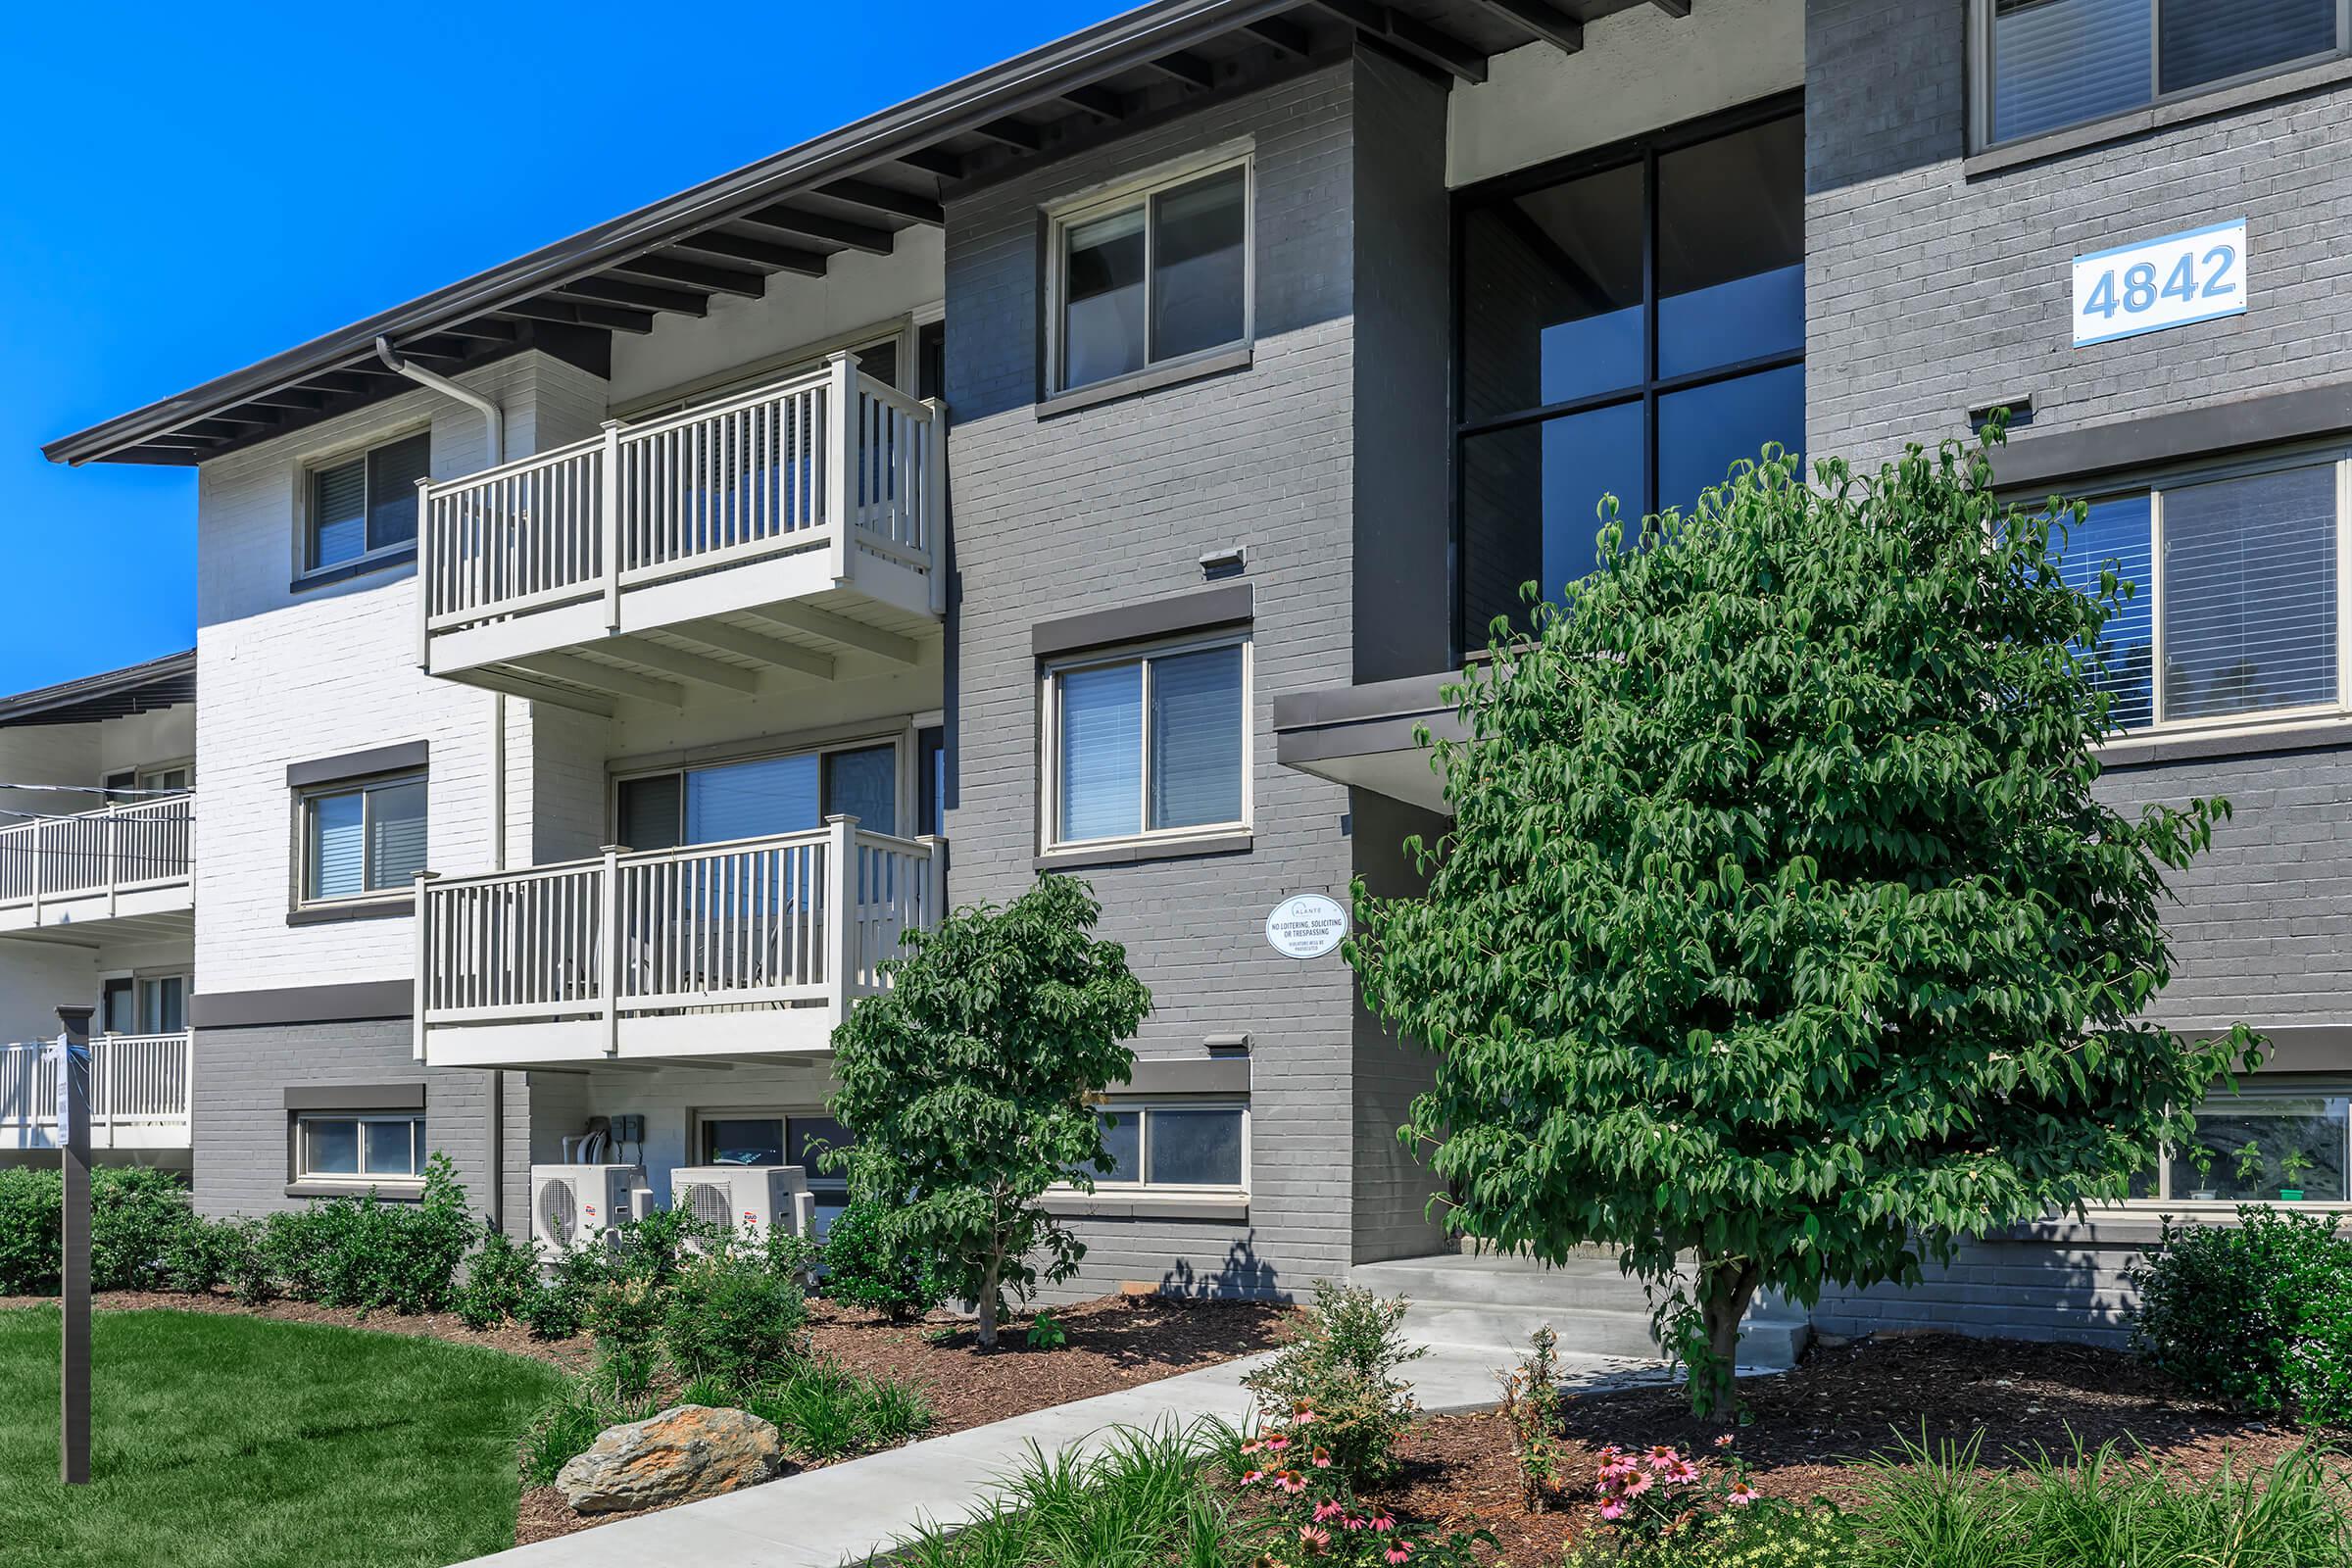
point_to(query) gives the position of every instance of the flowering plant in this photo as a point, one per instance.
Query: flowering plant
(1652, 1495)
(1313, 1518)
(1532, 1402)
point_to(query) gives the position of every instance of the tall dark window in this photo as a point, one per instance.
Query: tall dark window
(1630, 323)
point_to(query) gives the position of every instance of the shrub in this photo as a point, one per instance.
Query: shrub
(1316, 1519)
(500, 1278)
(1341, 1362)
(31, 1201)
(202, 1254)
(2258, 1315)
(1764, 1534)
(361, 1251)
(1532, 1403)
(568, 1426)
(626, 1316)
(1046, 1332)
(864, 1266)
(730, 1318)
(557, 1306)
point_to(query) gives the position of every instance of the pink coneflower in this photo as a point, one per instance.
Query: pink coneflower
(1251, 1478)
(1290, 1483)
(1252, 1446)
(1301, 1416)
(1314, 1537)
(1399, 1551)
(1328, 1510)
(1322, 1458)
(1353, 1524)
(1740, 1494)
(1681, 1473)
(1723, 1442)
(1277, 1445)
(1663, 1453)
(1610, 1452)
(1612, 1509)
(1638, 1484)
(1383, 1523)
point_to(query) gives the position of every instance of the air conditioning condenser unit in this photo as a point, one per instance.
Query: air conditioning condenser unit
(575, 1204)
(750, 1201)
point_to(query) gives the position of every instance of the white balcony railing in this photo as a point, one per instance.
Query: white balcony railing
(797, 921)
(139, 1088)
(74, 860)
(773, 471)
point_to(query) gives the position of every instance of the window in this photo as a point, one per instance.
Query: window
(792, 793)
(1148, 745)
(2059, 63)
(359, 1149)
(2235, 610)
(367, 504)
(2262, 1144)
(1177, 1145)
(731, 1138)
(362, 838)
(1152, 276)
(1629, 325)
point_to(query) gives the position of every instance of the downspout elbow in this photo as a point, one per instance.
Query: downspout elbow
(492, 414)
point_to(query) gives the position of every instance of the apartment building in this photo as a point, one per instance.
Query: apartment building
(97, 906)
(1094, 468)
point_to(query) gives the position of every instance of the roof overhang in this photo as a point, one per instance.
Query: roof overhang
(851, 189)
(112, 693)
(1364, 736)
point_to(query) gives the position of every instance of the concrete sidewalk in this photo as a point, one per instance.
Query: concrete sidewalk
(846, 1512)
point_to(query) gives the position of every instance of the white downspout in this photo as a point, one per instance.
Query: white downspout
(496, 418)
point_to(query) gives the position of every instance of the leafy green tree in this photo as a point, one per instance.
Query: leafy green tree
(967, 1087)
(1781, 934)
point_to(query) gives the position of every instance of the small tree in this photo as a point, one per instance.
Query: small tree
(968, 1083)
(1780, 932)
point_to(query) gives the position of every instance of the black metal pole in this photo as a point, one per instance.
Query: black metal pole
(74, 1137)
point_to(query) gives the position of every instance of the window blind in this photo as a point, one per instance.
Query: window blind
(2249, 593)
(2116, 535)
(392, 475)
(649, 812)
(1101, 752)
(864, 784)
(337, 846)
(1196, 738)
(2062, 62)
(338, 513)
(396, 834)
(2212, 40)
(750, 800)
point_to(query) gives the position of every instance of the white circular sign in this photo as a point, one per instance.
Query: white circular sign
(1307, 926)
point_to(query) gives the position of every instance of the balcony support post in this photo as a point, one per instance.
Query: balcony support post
(608, 946)
(607, 501)
(424, 959)
(845, 472)
(934, 515)
(428, 571)
(841, 913)
(935, 881)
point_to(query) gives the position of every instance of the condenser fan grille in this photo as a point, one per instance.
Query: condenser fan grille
(559, 1210)
(711, 1204)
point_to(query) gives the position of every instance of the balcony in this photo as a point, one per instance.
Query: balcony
(127, 865)
(139, 1093)
(773, 532)
(741, 949)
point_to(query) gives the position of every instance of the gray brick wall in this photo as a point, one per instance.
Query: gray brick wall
(1930, 293)
(241, 1080)
(1113, 505)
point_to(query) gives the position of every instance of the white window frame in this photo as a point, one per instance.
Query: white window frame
(1049, 743)
(306, 799)
(2153, 486)
(901, 741)
(1143, 1106)
(1084, 208)
(836, 1185)
(420, 1150)
(2255, 1089)
(1981, 61)
(306, 504)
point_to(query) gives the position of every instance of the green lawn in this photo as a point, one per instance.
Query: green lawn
(238, 1442)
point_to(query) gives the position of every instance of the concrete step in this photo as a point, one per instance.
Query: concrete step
(1490, 1306)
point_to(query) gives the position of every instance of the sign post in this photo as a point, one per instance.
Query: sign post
(74, 1138)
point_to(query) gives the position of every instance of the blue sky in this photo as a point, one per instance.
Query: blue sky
(191, 190)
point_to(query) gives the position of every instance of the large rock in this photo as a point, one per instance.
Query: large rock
(688, 1450)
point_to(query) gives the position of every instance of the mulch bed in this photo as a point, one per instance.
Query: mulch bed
(1840, 1404)
(1115, 1342)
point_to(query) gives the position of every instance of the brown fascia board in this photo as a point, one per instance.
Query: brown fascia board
(1029, 80)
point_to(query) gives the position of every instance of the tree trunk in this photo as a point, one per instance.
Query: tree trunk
(1726, 1288)
(988, 1302)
